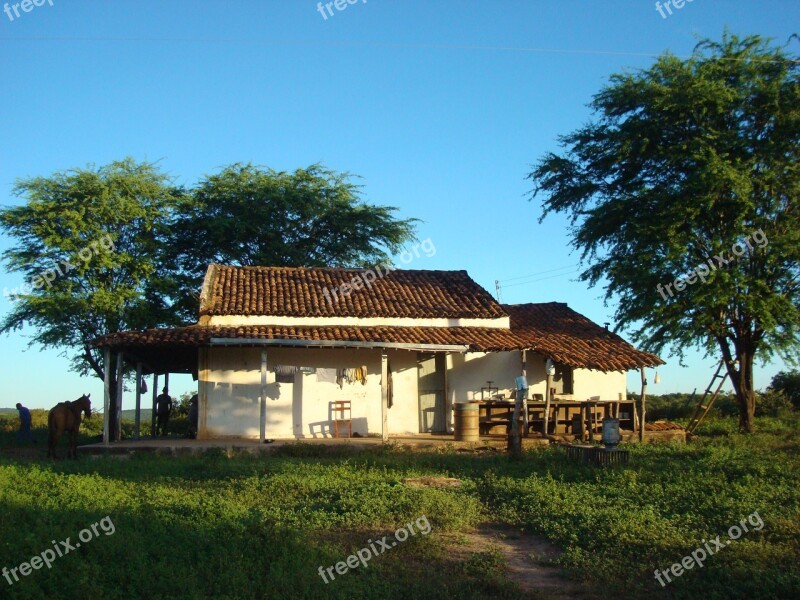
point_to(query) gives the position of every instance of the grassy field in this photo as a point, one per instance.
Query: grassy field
(245, 527)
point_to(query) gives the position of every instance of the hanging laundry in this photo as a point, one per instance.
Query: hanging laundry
(285, 373)
(327, 376)
(340, 376)
(361, 375)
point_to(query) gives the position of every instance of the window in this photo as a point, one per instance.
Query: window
(563, 376)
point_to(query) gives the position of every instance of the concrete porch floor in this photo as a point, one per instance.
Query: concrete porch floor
(179, 446)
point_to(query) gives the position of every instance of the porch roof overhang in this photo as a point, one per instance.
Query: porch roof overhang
(283, 343)
(175, 350)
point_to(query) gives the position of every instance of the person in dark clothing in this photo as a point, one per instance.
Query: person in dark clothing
(163, 411)
(193, 417)
(24, 434)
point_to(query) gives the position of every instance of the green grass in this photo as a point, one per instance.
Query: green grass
(259, 527)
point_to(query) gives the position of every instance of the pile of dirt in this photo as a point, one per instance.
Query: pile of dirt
(662, 426)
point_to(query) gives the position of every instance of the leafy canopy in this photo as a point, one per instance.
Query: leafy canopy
(684, 160)
(248, 215)
(87, 245)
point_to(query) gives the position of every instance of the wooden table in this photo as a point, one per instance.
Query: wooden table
(495, 415)
(591, 412)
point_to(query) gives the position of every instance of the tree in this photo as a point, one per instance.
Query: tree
(688, 163)
(787, 382)
(246, 215)
(88, 248)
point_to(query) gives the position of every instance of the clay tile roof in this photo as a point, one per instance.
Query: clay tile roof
(557, 331)
(475, 338)
(300, 292)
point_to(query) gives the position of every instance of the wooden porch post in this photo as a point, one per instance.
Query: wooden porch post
(153, 413)
(138, 416)
(263, 402)
(525, 399)
(546, 416)
(644, 400)
(384, 397)
(118, 415)
(106, 393)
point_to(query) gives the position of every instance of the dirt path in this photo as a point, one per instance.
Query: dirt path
(528, 560)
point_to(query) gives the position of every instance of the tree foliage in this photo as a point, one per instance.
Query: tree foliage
(684, 160)
(88, 246)
(788, 382)
(247, 215)
(120, 213)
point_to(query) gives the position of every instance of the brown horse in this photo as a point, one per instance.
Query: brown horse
(66, 416)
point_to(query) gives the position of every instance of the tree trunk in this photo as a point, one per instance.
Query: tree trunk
(742, 381)
(745, 394)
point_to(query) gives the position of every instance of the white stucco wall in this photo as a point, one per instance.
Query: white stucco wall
(608, 386)
(230, 387)
(404, 414)
(232, 383)
(469, 372)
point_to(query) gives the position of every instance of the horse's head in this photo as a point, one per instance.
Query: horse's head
(85, 405)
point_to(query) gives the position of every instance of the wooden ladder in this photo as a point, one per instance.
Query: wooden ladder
(703, 407)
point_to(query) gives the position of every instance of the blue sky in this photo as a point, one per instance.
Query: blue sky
(440, 106)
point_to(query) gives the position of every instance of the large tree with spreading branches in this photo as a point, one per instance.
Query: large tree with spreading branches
(88, 244)
(683, 196)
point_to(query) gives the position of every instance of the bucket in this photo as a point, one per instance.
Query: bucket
(465, 422)
(611, 435)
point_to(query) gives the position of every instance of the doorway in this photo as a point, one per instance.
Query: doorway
(431, 386)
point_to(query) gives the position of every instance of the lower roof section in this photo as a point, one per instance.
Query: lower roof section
(175, 350)
(574, 341)
(477, 339)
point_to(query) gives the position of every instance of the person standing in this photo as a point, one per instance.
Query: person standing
(163, 410)
(193, 417)
(24, 434)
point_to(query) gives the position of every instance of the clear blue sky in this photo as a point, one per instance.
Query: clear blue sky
(440, 106)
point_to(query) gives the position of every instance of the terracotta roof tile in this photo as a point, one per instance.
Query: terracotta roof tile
(300, 292)
(557, 331)
(476, 338)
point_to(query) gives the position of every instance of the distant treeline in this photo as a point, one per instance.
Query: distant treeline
(682, 406)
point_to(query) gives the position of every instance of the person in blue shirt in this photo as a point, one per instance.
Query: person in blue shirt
(24, 434)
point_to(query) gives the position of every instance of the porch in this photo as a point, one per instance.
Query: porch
(185, 446)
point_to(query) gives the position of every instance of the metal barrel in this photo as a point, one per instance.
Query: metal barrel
(611, 434)
(466, 420)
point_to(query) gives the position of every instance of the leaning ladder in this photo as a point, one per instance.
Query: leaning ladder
(702, 408)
